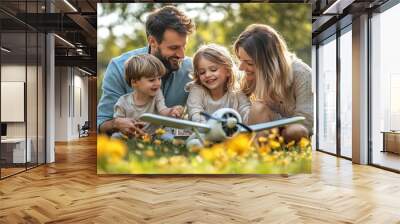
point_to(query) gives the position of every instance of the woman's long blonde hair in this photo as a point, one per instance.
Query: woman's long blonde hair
(273, 75)
(219, 55)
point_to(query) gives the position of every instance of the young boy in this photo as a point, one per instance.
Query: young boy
(143, 73)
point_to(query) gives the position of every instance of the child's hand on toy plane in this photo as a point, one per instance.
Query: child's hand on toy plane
(176, 111)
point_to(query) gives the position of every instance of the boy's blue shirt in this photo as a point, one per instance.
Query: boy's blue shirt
(114, 85)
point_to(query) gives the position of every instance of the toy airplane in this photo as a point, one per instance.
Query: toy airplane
(223, 123)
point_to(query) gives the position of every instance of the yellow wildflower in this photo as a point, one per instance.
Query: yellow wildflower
(304, 142)
(274, 144)
(275, 131)
(272, 136)
(149, 153)
(264, 149)
(111, 149)
(262, 139)
(102, 142)
(157, 142)
(160, 131)
(231, 153)
(290, 144)
(239, 144)
(218, 150)
(281, 139)
(207, 154)
(146, 138)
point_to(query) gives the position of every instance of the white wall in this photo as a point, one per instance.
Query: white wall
(61, 103)
(71, 93)
(33, 127)
(17, 73)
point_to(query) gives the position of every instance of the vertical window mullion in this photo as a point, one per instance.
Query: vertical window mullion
(338, 73)
(369, 100)
(0, 92)
(316, 97)
(26, 86)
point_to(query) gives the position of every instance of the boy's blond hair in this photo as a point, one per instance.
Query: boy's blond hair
(144, 65)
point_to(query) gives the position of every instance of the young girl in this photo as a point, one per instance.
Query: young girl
(214, 84)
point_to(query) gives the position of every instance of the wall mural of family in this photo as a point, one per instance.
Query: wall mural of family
(261, 79)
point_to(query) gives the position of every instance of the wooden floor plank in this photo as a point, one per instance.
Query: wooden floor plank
(70, 191)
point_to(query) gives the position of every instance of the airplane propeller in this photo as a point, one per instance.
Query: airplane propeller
(229, 121)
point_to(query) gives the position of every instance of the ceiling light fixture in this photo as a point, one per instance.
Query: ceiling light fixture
(84, 71)
(64, 40)
(79, 51)
(5, 50)
(337, 7)
(70, 5)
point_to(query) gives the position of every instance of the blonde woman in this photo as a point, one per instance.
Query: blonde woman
(278, 83)
(214, 84)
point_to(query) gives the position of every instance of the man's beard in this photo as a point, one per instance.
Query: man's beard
(166, 61)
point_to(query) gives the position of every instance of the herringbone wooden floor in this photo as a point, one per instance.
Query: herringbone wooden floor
(70, 191)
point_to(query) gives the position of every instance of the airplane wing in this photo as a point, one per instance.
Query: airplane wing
(173, 122)
(273, 124)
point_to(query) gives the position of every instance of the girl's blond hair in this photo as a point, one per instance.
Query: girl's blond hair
(219, 55)
(273, 75)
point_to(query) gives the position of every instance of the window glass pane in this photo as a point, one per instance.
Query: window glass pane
(346, 94)
(327, 96)
(385, 88)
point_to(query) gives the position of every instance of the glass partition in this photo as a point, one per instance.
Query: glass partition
(22, 87)
(327, 96)
(14, 153)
